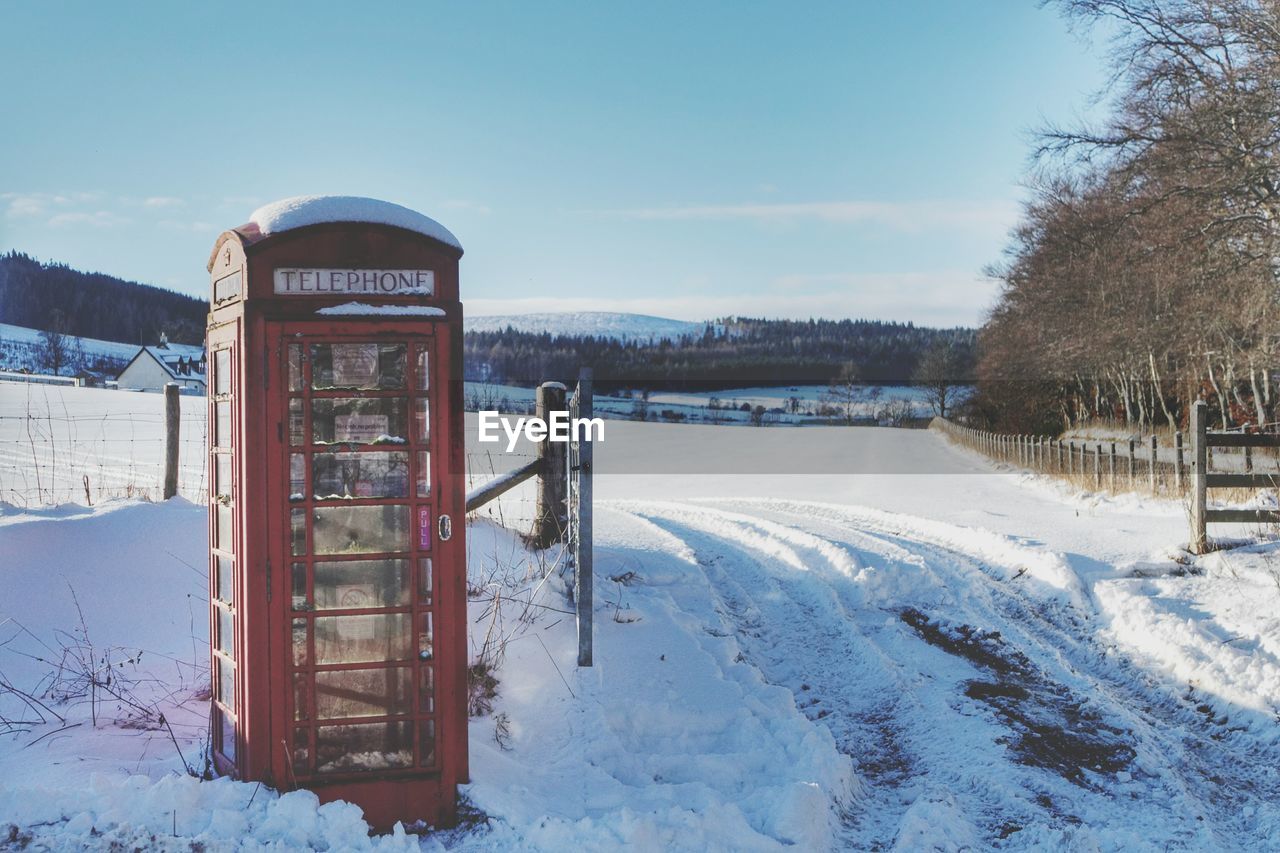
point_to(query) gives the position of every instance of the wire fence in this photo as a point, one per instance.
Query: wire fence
(1156, 465)
(92, 445)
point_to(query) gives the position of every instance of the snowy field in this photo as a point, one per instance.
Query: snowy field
(865, 639)
(715, 407)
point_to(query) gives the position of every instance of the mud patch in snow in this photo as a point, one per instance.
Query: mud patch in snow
(1053, 728)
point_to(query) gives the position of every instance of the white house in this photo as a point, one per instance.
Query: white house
(155, 367)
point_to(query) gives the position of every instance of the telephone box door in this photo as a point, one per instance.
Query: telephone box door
(359, 524)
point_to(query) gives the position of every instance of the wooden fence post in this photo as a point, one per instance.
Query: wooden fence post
(1154, 442)
(1133, 465)
(1097, 466)
(550, 514)
(1178, 461)
(1111, 466)
(172, 422)
(1199, 464)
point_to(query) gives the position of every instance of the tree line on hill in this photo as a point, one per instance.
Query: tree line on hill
(735, 352)
(54, 297)
(1144, 274)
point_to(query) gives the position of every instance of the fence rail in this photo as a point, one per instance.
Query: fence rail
(1107, 465)
(1144, 465)
(1205, 479)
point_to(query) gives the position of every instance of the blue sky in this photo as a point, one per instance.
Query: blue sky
(859, 159)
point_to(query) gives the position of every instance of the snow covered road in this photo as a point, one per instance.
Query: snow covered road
(977, 709)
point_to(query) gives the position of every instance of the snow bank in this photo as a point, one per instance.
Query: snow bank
(301, 211)
(183, 813)
(672, 741)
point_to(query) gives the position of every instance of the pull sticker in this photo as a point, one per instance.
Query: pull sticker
(424, 528)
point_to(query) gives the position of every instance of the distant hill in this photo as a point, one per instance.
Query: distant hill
(27, 350)
(726, 353)
(37, 295)
(591, 324)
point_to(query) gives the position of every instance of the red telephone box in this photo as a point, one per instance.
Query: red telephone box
(337, 540)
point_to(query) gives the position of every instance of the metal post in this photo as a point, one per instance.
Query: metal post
(1178, 461)
(172, 421)
(582, 559)
(1199, 466)
(1154, 442)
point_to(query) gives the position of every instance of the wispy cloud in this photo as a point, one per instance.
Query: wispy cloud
(902, 216)
(37, 205)
(162, 201)
(93, 219)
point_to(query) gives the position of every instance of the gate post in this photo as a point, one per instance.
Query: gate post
(1199, 462)
(1154, 444)
(172, 419)
(550, 515)
(1178, 461)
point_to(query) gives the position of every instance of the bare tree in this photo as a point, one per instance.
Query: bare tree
(939, 377)
(55, 348)
(847, 393)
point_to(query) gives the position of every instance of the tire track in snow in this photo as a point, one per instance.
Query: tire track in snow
(1218, 771)
(816, 591)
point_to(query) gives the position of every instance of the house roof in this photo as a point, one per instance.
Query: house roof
(180, 361)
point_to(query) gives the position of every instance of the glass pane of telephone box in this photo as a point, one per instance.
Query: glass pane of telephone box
(364, 746)
(357, 584)
(424, 374)
(222, 424)
(222, 371)
(301, 702)
(426, 691)
(297, 476)
(295, 367)
(226, 733)
(299, 632)
(222, 475)
(363, 693)
(223, 542)
(301, 751)
(422, 419)
(363, 639)
(226, 681)
(360, 529)
(298, 584)
(359, 420)
(366, 367)
(226, 632)
(297, 431)
(298, 525)
(337, 476)
(225, 588)
(424, 473)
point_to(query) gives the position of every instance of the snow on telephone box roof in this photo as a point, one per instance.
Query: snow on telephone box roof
(301, 211)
